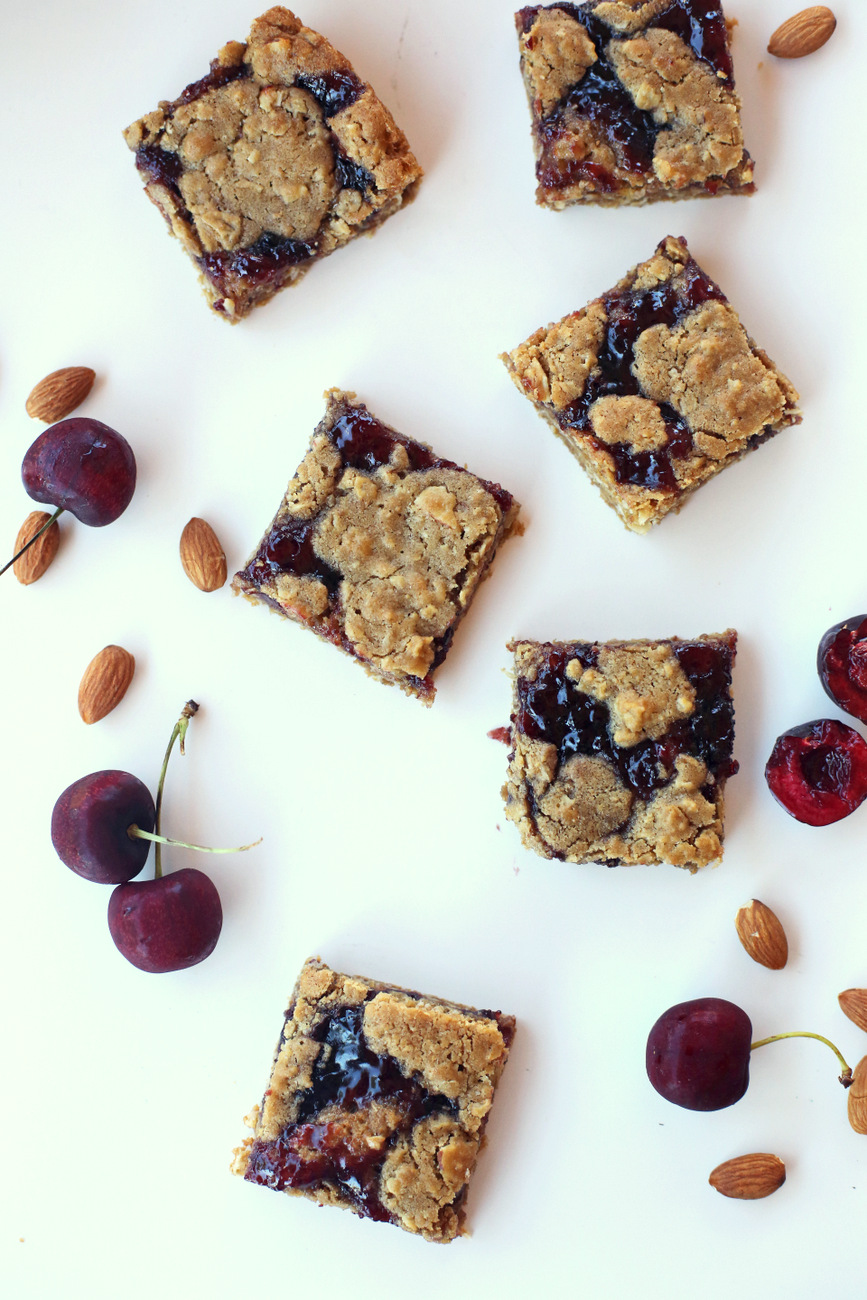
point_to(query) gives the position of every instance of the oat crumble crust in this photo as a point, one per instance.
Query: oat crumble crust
(698, 150)
(258, 155)
(455, 1053)
(703, 369)
(406, 550)
(576, 806)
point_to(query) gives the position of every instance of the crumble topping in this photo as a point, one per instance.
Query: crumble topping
(707, 369)
(556, 54)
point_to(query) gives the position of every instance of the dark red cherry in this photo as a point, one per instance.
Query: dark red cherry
(698, 1054)
(166, 924)
(818, 772)
(83, 466)
(842, 664)
(90, 822)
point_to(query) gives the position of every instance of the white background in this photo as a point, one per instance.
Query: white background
(385, 847)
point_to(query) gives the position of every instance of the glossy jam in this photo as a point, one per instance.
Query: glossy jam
(261, 262)
(552, 709)
(349, 1077)
(630, 313)
(333, 91)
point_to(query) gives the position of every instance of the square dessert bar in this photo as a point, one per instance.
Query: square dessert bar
(276, 157)
(632, 101)
(656, 386)
(621, 750)
(377, 1101)
(379, 545)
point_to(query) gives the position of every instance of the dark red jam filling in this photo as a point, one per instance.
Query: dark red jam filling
(157, 164)
(552, 709)
(219, 75)
(601, 97)
(333, 91)
(631, 312)
(259, 263)
(348, 1075)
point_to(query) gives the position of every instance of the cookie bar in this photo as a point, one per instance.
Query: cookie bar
(632, 101)
(377, 1101)
(656, 386)
(275, 158)
(379, 545)
(621, 750)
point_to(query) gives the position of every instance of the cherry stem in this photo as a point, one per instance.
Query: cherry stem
(138, 834)
(845, 1077)
(179, 733)
(34, 538)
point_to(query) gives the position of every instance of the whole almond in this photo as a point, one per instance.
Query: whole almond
(105, 682)
(762, 935)
(750, 1177)
(853, 1003)
(856, 1097)
(30, 566)
(59, 393)
(803, 33)
(202, 556)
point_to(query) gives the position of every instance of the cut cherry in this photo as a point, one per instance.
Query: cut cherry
(698, 1054)
(842, 665)
(818, 772)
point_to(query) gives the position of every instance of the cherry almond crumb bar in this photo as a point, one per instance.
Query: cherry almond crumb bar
(275, 158)
(632, 101)
(379, 546)
(655, 387)
(621, 749)
(377, 1101)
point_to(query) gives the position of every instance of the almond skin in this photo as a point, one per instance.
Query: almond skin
(762, 935)
(105, 682)
(59, 393)
(202, 556)
(30, 566)
(803, 33)
(856, 1097)
(750, 1177)
(853, 1003)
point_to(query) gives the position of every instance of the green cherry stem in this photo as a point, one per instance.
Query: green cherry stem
(179, 732)
(138, 834)
(189, 710)
(34, 538)
(845, 1077)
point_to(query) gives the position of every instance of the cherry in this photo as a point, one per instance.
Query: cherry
(698, 1054)
(82, 466)
(818, 772)
(842, 665)
(90, 826)
(166, 924)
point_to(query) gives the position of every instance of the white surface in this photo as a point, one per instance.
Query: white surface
(385, 847)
